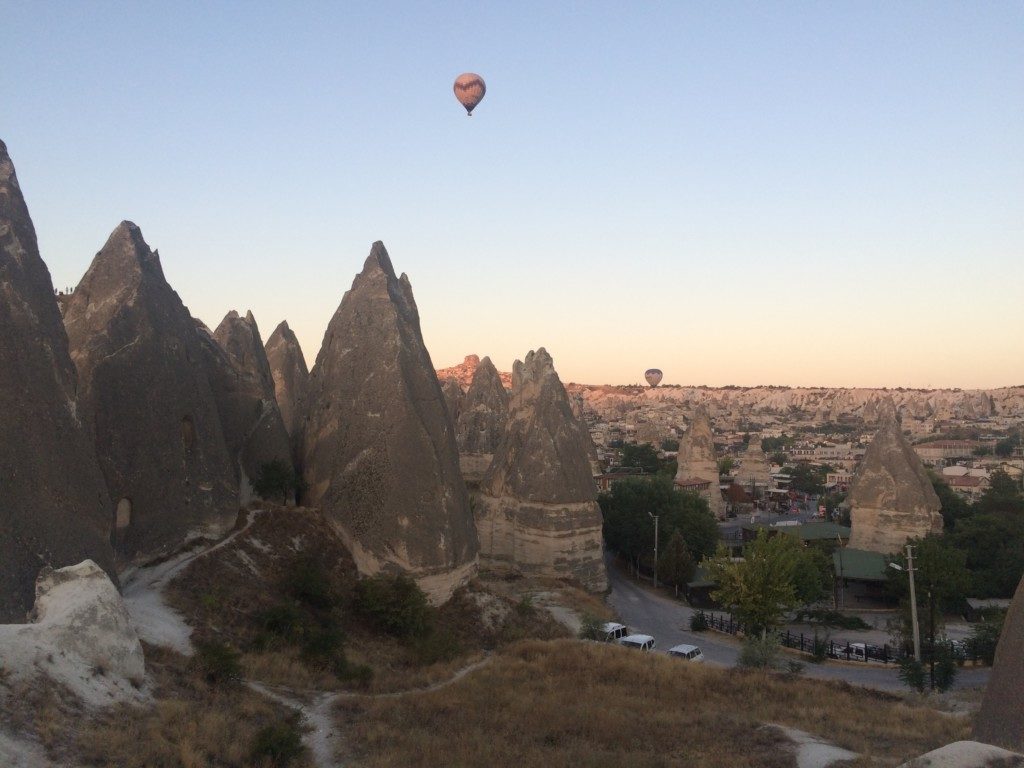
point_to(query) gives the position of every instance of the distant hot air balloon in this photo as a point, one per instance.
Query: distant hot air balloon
(653, 376)
(469, 90)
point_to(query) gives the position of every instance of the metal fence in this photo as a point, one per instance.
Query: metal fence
(839, 649)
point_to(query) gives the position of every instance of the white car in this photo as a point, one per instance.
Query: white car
(640, 642)
(611, 631)
(688, 652)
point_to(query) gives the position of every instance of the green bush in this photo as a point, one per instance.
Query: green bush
(438, 644)
(913, 674)
(281, 742)
(322, 643)
(277, 480)
(307, 581)
(283, 621)
(395, 604)
(698, 622)
(219, 664)
(590, 628)
(360, 675)
(759, 651)
(819, 648)
(983, 640)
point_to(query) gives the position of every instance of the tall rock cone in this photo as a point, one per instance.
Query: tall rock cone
(379, 446)
(1001, 718)
(453, 396)
(891, 498)
(290, 374)
(54, 508)
(538, 511)
(141, 379)
(697, 464)
(243, 390)
(481, 423)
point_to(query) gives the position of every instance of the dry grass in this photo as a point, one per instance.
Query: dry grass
(191, 725)
(567, 703)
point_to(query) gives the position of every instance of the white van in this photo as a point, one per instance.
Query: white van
(640, 642)
(611, 631)
(687, 652)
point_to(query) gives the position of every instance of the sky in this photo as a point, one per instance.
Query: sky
(806, 194)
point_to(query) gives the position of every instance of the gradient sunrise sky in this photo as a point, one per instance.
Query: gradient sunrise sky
(737, 193)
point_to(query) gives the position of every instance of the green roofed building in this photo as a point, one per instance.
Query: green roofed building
(860, 577)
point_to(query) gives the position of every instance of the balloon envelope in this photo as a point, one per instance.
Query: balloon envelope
(653, 376)
(469, 90)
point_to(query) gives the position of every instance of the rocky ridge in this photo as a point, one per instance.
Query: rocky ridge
(158, 434)
(54, 507)
(379, 453)
(891, 498)
(538, 511)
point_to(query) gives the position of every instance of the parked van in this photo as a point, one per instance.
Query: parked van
(640, 642)
(611, 631)
(687, 652)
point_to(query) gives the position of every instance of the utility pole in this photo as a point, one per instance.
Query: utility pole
(913, 605)
(655, 518)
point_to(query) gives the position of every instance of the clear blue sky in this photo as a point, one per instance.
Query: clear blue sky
(790, 193)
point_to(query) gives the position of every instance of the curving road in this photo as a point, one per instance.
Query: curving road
(643, 610)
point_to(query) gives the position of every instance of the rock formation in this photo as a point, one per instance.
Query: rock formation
(753, 470)
(243, 390)
(537, 512)
(379, 452)
(291, 377)
(697, 462)
(481, 423)
(141, 380)
(463, 372)
(1001, 718)
(54, 508)
(453, 396)
(891, 498)
(80, 636)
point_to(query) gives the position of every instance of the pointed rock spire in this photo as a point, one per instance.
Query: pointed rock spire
(157, 431)
(697, 463)
(1001, 718)
(538, 509)
(891, 497)
(453, 396)
(54, 508)
(379, 452)
(290, 374)
(243, 390)
(481, 424)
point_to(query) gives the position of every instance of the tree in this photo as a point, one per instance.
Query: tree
(277, 480)
(676, 566)
(954, 506)
(642, 455)
(669, 444)
(761, 587)
(1004, 447)
(941, 580)
(629, 529)
(778, 458)
(808, 479)
(725, 465)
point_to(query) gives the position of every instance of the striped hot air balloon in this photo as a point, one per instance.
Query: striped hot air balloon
(653, 376)
(469, 90)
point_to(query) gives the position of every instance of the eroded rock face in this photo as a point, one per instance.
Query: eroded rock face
(453, 396)
(891, 498)
(379, 451)
(54, 508)
(80, 635)
(142, 381)
(243, 390)
(753, 470)
(481, 424)
(697, 460)
(1001, 718)
(538, 510)
(290, 375)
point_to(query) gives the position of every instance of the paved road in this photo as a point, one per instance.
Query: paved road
(644, 610)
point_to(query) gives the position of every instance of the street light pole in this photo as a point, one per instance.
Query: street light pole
(913, 605)
(655, 518)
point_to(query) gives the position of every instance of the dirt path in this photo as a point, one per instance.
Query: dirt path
(315, 708)
(142, 589)
(323, 738)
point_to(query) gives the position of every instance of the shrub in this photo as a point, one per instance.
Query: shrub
(983, 640)
(321, 643)
(590, 628)
(945, 667)
(819, 648)
(219, 664)
(277, 480)
(912, 674)
(759, 651)
(307, 581)
(698, 622)
(359, 674)
(438, 644)
(281, 742)
(282, 620)
(395, 603)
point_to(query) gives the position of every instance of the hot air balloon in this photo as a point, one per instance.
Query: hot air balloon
(653, 376)
(469, 90)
